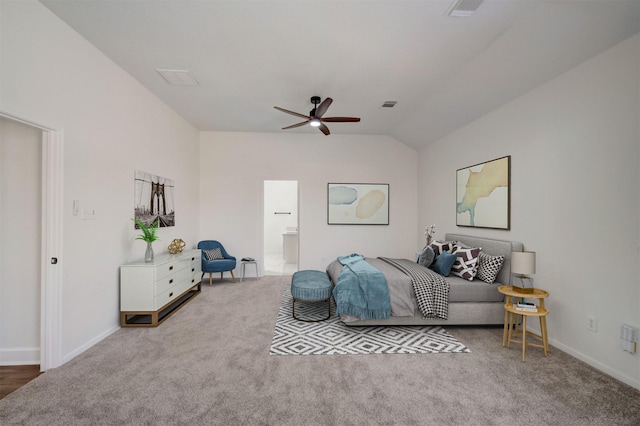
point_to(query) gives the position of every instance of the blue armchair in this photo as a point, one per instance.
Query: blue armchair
(216, 260)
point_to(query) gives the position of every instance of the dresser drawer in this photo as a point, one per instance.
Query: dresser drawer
(171, 281)
(169, 268)
(171, 294)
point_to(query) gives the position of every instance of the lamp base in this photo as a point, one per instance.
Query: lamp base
(527, 290)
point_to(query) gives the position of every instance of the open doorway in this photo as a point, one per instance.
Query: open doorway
(50, 242)
(20, 242)
(280, 230)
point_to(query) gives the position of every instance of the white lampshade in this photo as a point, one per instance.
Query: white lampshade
(523, 262)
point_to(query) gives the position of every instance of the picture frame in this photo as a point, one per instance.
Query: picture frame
(358, 204)
(153, 199)
(483, 195)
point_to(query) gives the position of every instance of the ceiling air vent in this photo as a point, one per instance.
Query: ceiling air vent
(389, 104)
(177, 77)
(463, 8)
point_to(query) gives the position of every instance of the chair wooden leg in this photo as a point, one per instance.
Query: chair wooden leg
(210, 279)
(233, 277)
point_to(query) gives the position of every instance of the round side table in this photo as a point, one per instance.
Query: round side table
(510, 313)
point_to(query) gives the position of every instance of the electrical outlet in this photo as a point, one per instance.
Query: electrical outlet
(592, 323)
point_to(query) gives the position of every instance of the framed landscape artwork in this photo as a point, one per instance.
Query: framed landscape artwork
(483, 195)
(154, 199)
(358, 204)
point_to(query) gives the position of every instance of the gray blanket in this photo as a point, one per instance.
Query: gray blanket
(401, 287)
(431, 289)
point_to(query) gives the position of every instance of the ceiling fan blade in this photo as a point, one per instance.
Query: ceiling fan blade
(323, 107)
(324, 129)
(341, 119)
(291, 112)
(296, 125)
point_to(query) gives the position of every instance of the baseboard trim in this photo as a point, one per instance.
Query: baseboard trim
(595, 364)
(19, 356)
(68, 357)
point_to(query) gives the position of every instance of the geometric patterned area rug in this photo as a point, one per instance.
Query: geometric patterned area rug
(332, 337)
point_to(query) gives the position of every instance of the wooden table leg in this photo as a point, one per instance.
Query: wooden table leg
(543, 331)
(510, 330)
(524, 336)
(506, 324)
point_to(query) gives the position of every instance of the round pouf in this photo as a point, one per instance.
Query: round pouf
(310, 286)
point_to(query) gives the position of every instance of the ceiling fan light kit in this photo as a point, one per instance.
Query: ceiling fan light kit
(315, 117)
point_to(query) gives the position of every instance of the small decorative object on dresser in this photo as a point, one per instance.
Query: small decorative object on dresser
(151, 291)
(176, 246)
(148, 236)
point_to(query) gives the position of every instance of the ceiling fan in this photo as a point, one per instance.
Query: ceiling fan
(315, 117)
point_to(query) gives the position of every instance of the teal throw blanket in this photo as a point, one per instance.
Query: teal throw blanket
(361, 290)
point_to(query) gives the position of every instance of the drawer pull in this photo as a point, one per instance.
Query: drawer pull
(171, 281)
(171, 294)
(193, 269)
(193, 258)
(171, 268)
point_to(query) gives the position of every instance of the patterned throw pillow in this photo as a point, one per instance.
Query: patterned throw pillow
(213, 254)
(489, 267)
(465, 264)
(441, 246)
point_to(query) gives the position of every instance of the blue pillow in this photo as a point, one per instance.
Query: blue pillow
(443, 263)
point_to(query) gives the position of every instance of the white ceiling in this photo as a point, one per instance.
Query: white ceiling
(250, 56)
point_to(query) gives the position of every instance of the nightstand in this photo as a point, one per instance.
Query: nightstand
(510, 313)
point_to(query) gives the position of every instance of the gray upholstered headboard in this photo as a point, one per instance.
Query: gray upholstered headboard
(493, 247)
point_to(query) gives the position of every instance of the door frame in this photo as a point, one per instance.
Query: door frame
(50, 241)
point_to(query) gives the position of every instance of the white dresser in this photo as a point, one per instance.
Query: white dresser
(151, 292)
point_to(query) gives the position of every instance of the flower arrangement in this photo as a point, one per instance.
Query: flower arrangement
(148, 232)
(429, 232)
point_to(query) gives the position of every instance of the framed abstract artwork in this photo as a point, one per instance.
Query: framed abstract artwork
(358, 204)
(483, 195)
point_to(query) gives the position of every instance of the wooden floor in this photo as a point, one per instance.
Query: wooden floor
(14, 376)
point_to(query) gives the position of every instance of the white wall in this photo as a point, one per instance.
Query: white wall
(234, 165)
(575, 192)
(20, 230)
(112, 126)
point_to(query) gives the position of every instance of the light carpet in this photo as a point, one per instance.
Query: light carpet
(332, 337)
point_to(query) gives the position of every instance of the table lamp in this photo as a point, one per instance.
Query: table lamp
(523, 263)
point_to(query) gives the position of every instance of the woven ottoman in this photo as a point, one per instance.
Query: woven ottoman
(310, 286)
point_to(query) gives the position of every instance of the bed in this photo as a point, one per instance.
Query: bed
(469, 302)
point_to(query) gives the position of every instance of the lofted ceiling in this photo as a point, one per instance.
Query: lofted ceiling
(443, 71)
